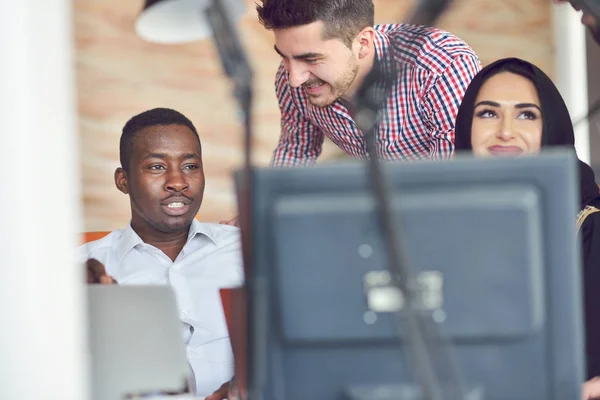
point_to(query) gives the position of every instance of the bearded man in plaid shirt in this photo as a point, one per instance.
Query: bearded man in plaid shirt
(329, 46)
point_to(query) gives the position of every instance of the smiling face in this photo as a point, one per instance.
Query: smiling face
(165, 180)
(507, 118)
(325, 68)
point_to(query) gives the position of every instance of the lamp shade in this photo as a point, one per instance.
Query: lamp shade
(180, 21)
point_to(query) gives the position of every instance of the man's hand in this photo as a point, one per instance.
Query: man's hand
(221, 394)
(233, 222)
(96, 274)
(591, 389)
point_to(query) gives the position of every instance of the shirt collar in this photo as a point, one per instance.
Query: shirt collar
(199, 228)
(130, 238)
(128, 241)
(381, 43)
(384, 57)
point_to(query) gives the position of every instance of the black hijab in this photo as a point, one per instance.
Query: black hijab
(557, 128)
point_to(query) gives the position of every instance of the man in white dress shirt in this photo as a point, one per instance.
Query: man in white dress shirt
(161, 171)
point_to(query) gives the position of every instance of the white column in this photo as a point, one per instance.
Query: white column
(571, 71)
(42, 308)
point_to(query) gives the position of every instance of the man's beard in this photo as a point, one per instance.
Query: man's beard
(338, 88)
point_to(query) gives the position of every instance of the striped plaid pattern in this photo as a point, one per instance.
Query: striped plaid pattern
(434, 69)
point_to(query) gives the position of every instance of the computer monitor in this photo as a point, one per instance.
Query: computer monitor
(493, 240)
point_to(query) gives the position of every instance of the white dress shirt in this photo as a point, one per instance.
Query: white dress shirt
(211, 259)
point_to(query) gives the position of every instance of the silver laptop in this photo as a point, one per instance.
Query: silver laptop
(135, 342)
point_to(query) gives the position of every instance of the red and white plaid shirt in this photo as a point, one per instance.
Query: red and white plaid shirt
(435, 69)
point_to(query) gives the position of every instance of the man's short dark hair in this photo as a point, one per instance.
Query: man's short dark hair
(343, 19)
(154, 117)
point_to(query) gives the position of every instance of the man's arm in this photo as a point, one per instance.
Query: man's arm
(443, 100)
(301, 141)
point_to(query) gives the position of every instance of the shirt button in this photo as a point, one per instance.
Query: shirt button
(184, 313)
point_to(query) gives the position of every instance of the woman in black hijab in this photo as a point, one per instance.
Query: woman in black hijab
(511, 107)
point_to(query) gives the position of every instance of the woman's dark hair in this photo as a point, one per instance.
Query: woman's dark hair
(557, 128)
